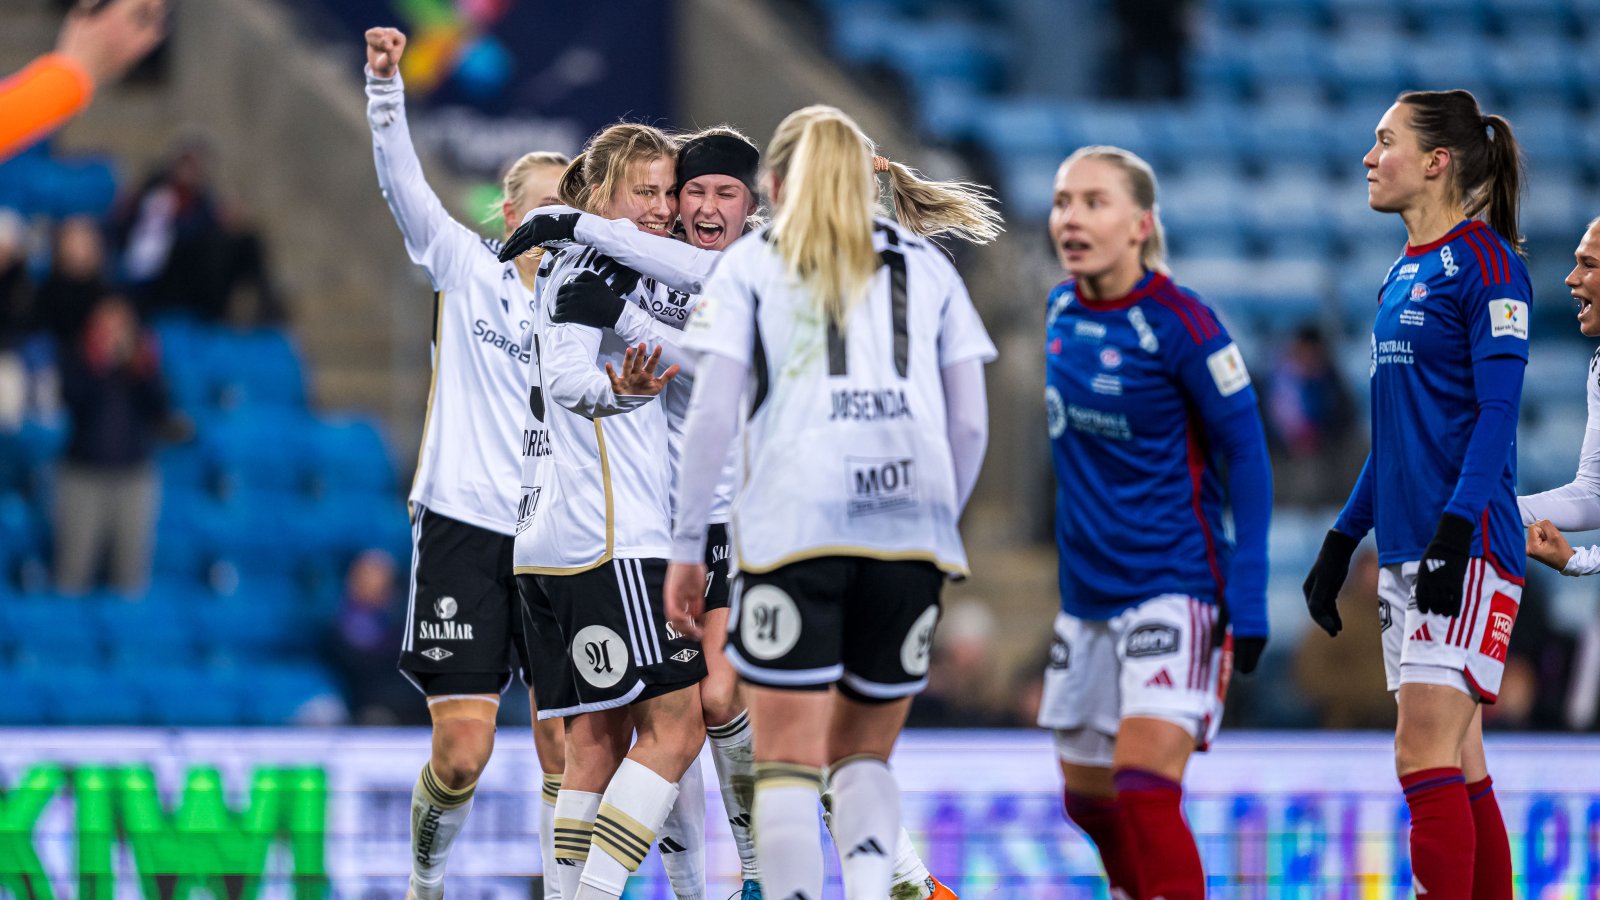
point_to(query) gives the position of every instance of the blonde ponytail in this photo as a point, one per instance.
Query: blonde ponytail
(956, 208)
(823, 226)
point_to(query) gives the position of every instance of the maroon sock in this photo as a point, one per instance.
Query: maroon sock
(1168, 860)
(1443, 839)
(1103, 822)
(1491, 867)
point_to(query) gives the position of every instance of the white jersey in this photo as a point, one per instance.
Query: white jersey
(596, 476)
(468, 465)
(683, 270)
(1576, 506)
(845, 445)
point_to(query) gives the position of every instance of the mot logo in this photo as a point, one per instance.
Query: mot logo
(881, 485)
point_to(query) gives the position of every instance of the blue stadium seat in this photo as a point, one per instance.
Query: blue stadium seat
(1207, 136)
(1526, 68)
(259, 367)
(1285, 63)
(1026, 125)
(349, 454)
(187, 696)
(1119, 126)
(84, 695)
(1288, 216)
(258, 447)
(949, 110)
(46, 630)
(293, 695)
(22, 700)
(1367, 69)
(1460, 62)
(158, 629)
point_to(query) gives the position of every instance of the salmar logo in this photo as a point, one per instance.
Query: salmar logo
(201, 846)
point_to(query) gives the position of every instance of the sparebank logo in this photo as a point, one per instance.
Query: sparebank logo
(197, 845)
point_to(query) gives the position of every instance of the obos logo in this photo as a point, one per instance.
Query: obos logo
(600, 655)
(1055, 412)
(918, 646)
(1153, 640)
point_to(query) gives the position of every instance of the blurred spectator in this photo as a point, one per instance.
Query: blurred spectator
(184, 250)
(16, 320)
(368, 638)
(1310, 420)
(107, 488)
(76, 282)
(1026, 690)
(1152, 40)
(94, 48)
(958, 675)
(1343, 677)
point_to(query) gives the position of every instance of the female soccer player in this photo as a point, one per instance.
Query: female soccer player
(1448, 352)
(463, 619)
(1575, 506)
(1146, 395)
(593, 537)
(855, 344)
(717, 202)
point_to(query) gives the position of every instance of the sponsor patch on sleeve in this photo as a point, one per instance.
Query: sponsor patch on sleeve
(703, 319)
(1228, 371)
(1508, 318)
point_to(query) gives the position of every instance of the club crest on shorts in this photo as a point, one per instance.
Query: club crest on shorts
(445, 607)
(918, 646)
(1060, 654)
(600, 655)
(769, 622)
(1152, 640)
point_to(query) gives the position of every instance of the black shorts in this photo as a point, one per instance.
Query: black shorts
(864, 624)
(545, 652)
(718, 551)
(463, 621)
(619, 647)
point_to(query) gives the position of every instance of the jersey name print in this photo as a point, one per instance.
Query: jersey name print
(1443, 307)
(872, 388)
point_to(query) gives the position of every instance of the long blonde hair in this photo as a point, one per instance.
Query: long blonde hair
(823, 226)
(592, 177)
(1142, 185)
(516, 177)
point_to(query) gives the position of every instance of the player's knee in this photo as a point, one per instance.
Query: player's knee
(719, 696)
(461, 750)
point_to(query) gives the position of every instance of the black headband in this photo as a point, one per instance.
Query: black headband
(718, 154)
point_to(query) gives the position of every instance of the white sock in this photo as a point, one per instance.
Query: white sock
(682, 838)
(547, 841)
(635, 806)
(908, 866)
(734, 755)
(788, 845)
(572, 830)
(437, 814)
(866, 825)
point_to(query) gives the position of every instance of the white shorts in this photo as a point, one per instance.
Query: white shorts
(1467, 652)
(1157, 660)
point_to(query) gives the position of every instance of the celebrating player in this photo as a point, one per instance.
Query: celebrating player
(824, 322)
(1449, 347)
(463, 618)
(1575, 506)
(1146, 395)
(593, 535)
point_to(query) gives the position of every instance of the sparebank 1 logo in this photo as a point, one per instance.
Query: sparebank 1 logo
(202, 847)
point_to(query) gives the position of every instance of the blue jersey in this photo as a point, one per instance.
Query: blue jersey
(1144, 394)
(1444, 307)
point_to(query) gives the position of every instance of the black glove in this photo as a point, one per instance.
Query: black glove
(1322, 586)
(1443, 570)
(1247, 653)
(545, 228)
(587, 300)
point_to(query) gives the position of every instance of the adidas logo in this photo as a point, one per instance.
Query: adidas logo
(668, 845)
(685, 655)
(868, 847)
(563, 861)
(1422, 633)
(1160, 679)
(1434, 565)
(742, 820)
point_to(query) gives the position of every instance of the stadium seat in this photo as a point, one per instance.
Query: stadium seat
(157, 629)
(258, 368)
(46, 630)
(188, 696)
(293, 695)
(85, 695)
(22, 702)
(257, 447)
(349, 454)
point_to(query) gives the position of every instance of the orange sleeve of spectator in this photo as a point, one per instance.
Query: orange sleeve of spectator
(40, 99)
